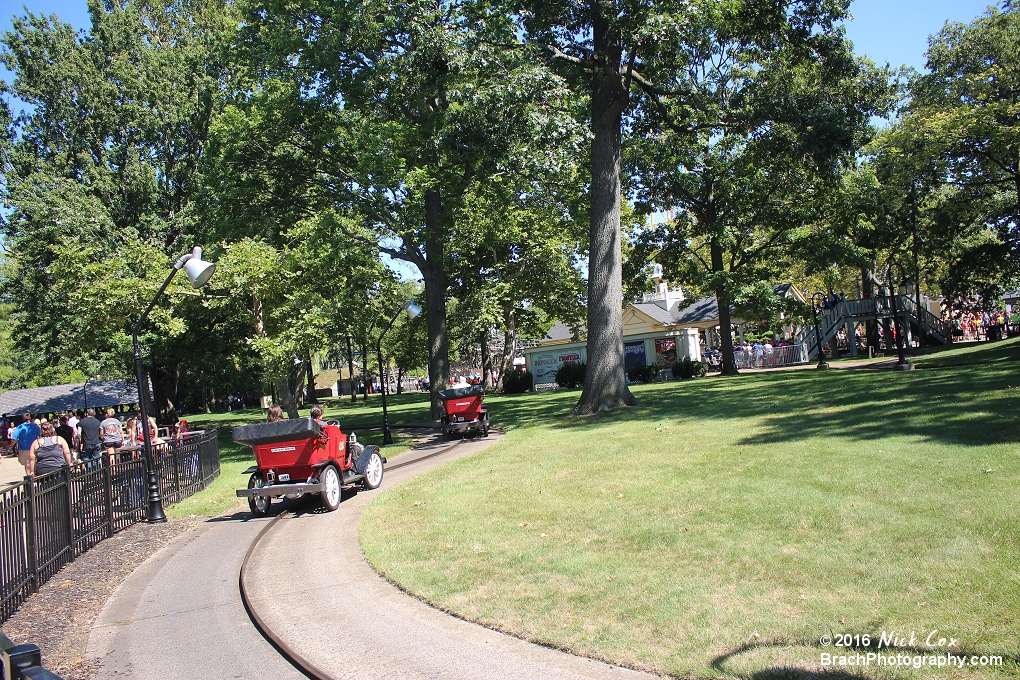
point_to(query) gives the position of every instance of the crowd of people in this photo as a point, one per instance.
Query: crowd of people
(985, 325)
(46, 444)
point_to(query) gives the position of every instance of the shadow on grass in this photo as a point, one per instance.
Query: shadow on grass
(965, 396)
(949, 403)
(794, 673)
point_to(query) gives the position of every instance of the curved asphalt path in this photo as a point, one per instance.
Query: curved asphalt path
(180, 614)
(309, 583)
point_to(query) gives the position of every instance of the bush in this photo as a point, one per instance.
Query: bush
(685, 368)
(645, 374)
(571, 375)
(517, 381)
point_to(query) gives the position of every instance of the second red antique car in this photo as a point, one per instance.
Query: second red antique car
(464, 411)
(303, 456)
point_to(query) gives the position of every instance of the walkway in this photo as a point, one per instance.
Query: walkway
(180, 615)
(339, 615)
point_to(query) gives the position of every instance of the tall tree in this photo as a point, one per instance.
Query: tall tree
(101, 166)
(777, 105)
(392, 116)
(963, 115)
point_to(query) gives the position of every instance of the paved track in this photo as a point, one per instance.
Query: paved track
(310, 585)
(179, 615)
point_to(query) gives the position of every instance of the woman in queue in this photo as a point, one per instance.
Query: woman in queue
(49, 452)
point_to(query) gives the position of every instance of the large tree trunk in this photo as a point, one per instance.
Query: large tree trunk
(509, 348)
(164, 393)
(722, 297)
(204, 392)
(483, 344)
(310, 374)
(350, 371)
(434, 276)
(605, 382)
(364, 368)
(868, 291)
(286, 397)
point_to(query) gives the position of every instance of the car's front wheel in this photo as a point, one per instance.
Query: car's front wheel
(374, 471)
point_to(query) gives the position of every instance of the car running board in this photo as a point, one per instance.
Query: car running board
(351, 477)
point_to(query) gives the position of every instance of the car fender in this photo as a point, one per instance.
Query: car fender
(363, 459)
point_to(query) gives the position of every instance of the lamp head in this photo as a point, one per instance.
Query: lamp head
(198, 270)
(413, 310)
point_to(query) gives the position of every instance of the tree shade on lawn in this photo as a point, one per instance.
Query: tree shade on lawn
(726, 525)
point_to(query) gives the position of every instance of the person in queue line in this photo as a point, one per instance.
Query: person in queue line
(113, 436)
(181, 431)
(154, 437)
(89, 429)
(275, 414)
(26, 433)
(66, 432)
(130, 436)
(48, 453)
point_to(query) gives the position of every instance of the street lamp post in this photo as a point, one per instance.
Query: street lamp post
(413, 310)
(818, 334)
(84, 391)
(902, 364)
(199, 272)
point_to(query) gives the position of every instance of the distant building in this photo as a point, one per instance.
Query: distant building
(657, 331)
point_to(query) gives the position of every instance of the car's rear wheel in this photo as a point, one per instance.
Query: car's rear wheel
(373, 471)
(330, 480)
(259, 505)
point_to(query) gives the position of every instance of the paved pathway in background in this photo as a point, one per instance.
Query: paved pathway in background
(11, 471)
(310, 584)
(180, 616)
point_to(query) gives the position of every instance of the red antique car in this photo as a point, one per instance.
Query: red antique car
(303, 456)
(464, 411)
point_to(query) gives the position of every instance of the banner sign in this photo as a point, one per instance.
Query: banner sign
(547, 363)
(665, 351)
(634, 354)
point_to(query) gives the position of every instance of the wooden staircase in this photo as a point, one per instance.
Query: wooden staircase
(873, 309)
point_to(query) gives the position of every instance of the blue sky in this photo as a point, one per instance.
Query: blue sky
(886, 30)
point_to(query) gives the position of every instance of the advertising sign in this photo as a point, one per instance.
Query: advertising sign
(634, 354)
(547, 363)
(665, 351)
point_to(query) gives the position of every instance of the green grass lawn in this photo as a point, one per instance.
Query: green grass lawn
(235, 459)
(727, 524)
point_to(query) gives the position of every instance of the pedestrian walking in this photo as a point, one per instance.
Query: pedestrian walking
(66, 432)
(113, 435)
(25, 434)
(89, 442)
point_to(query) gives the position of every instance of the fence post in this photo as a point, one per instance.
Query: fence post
(175, 455)
(108, 490)
(30, 531)
(70, 512)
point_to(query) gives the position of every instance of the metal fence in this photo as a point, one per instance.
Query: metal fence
(48, 521)
(773, 358)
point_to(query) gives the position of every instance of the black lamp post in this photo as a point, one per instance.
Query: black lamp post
(199, 272)
(84, 391)
(413, 310)
(818, 334)
(898, 324)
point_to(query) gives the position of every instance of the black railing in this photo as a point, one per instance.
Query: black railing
(48, 521)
